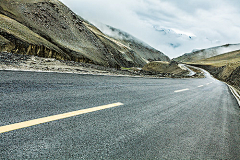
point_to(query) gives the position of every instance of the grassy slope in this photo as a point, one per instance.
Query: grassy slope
(225, 67)
(222, 60)
(207, 53)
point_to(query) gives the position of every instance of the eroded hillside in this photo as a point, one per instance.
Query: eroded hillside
(48, 28)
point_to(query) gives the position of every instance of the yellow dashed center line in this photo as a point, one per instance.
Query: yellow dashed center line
(25, 124)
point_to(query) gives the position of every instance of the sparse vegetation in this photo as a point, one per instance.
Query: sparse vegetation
(125, 69)
(170, 69)
(163, 67)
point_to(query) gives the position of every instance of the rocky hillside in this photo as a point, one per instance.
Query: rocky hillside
(47, 28)
(207, 53)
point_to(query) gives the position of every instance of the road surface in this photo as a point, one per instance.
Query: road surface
(154, 119)
(185, 67)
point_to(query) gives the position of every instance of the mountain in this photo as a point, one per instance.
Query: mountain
(147, 52)
(207, 53)
(48, 28)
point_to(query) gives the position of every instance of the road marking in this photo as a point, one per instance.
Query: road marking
(181, 90)
(208, 84)
(25, 124)
(235, 94)
(200, 86)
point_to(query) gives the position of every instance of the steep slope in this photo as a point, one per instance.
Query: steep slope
(207, 53)
(17, 38)
(63, 32)
(123, 51)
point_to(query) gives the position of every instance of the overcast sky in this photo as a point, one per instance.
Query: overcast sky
(167, 24)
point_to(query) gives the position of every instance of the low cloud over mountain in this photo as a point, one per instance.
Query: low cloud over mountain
(212, 23)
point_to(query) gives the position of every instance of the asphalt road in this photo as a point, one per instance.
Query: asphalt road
(160, 118)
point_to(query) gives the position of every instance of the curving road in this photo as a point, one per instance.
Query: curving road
(185, 67)
(159, 118)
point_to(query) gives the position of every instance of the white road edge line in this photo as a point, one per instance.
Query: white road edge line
(200, 86)
(235, 94)
(34, 122)
(181, 90)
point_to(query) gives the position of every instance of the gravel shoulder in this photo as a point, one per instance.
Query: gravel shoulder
(9, 61)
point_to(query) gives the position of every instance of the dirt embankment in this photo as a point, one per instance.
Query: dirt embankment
(10, 61)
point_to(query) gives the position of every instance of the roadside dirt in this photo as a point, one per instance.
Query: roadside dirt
(10, 61)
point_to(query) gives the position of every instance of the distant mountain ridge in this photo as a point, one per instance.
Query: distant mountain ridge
(48, 28)
(207, 53)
